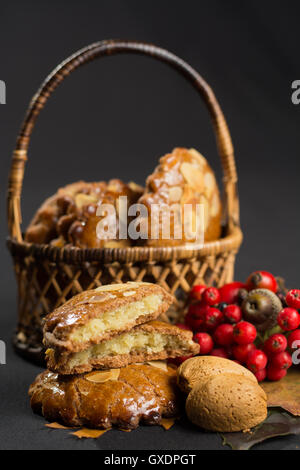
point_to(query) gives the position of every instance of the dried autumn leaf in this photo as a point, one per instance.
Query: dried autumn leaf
(159, 365)
(167, 423)
(102, 376)
(57, 426)
(277, 424)
(285, 393)
(89, 433)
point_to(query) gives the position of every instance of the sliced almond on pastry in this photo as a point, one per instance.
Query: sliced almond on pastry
(215, 205)
(192, 175)
(159, 365)
(84, 199)
(175, 193)
(102, 376)
(209, 184)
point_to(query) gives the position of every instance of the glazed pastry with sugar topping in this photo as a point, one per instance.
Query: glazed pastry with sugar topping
(100, 314)
(150, 341)
(69, 216)
(182, 177)
(124, 398)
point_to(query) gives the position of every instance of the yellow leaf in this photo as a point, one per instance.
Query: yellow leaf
(89, 433)
(57, 426)
(167, 423)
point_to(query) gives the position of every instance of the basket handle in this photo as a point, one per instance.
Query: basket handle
(85, 55)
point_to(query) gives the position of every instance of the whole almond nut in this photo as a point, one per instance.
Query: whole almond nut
(227, 403)
(199, 369)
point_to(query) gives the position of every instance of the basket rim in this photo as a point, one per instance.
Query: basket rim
(75, 255)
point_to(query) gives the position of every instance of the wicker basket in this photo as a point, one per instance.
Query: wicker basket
(47, 276)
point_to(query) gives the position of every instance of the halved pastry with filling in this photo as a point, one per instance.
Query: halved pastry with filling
(154, 340)
(98, 315)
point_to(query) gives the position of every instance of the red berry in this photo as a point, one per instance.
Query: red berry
(256, 361)
(288, 319)
(261, 375)
(275, 344)
(241, 351)
(275, 374)
(205, 342)
(219, 352)
(211, 296)
(197, 291)
(237, 362)
(262, 280)
(233, 313)
(223, 335)
(195, 316)
(293, 298)
(230, 292)
(294, 336)
(282, 360)
(212, 318)
(182, 326)
(244, 332)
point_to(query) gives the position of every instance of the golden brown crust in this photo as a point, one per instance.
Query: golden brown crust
(58, 361)
(141, 394)
(201, 368)
(227, 403)
(92, 304)
(182, 177)
(69, 216)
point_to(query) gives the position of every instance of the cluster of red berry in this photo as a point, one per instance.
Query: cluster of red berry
(216, 318)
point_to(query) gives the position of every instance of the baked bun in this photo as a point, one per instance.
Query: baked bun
(120, 397)
(154, 340)
(227, 403)
(70, 215)
(182, 177)
(99, 314)
(198, 369)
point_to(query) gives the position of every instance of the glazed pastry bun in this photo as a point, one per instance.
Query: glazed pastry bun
(123, 398)
(183, 177)
(69, 217)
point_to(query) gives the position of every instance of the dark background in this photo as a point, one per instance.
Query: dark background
(116, 116)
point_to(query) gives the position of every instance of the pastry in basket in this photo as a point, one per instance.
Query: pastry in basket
(150, 341)
(102, 313)
(182, 177)
(70, 215)
(139, 393)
